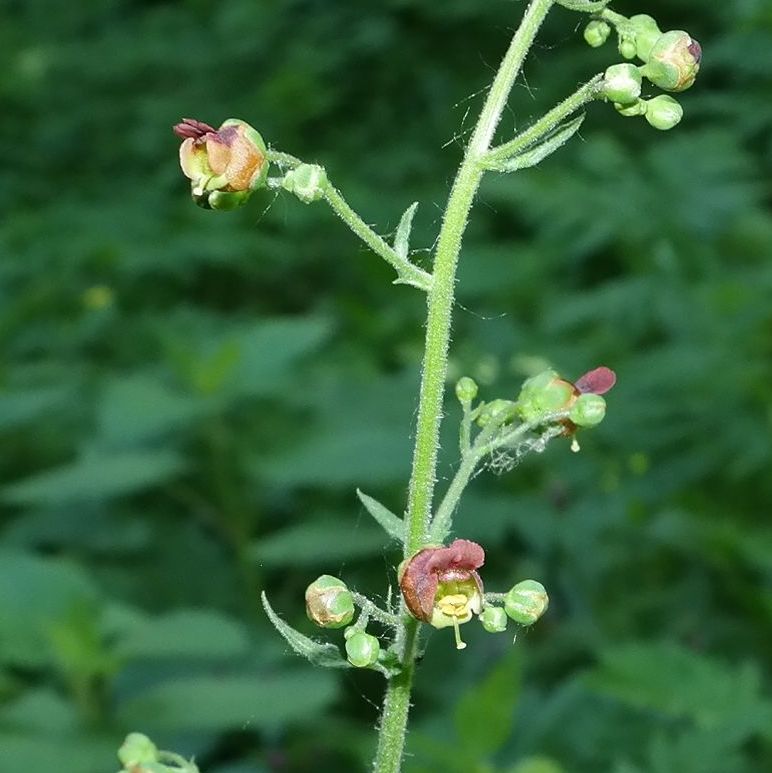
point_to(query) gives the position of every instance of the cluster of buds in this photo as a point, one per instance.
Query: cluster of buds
(441, 586)
(224, 166)
(330, 604)
(547, 393)
(671, 61)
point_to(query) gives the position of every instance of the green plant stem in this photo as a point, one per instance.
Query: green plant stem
(612, 17)
(393, 724)
(408, 273)
(370, 609)
(485, 443)
(548, 122)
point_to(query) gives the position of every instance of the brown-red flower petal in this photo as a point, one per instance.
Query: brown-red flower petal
(429, 567)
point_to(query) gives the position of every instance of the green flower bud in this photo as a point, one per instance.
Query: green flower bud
(526, 602)
(674, 61)
(646, 33)
(500, 411)
(362, 649)
(622, 83)
(627, 45)
(543, 394)
(596, 33)
(329, 603)
(137, 749)
(307, 182)
(494, 619)
(588, 410)
(634, 108)
(466, 390)
(664, 112)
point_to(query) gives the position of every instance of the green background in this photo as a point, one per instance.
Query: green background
(188, 400)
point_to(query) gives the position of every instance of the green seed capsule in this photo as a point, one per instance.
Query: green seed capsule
(664, 112)
(596, 33)
(466, 390)
(329, 603)
(622, 83)
(494, 619)
(588, 410)
(526, 602)
(307, 182)
(362, 649)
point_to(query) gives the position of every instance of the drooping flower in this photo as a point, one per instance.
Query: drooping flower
(441, 586)
(224, 165)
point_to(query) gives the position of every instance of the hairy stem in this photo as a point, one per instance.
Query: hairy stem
(408, 272)
(393, 725)
(548, 122)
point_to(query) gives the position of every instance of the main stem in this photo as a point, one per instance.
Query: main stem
(393, 724)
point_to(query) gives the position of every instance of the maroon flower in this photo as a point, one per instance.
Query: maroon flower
(441, 585)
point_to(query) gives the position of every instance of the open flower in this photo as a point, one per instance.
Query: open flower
(223, 165)
(441, 585)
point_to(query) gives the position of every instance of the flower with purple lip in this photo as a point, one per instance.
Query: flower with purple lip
(223, 165)
(441, 585)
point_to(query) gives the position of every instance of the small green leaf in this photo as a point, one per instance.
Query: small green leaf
(402, 237)
(319, 653)
(393, 525)
(538, 152)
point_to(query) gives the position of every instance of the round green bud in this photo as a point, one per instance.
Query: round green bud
(137, 749)
(526, 602)
(664, 112)
(494, 619)
(307, 182)
(646, 33)
(466, 390)
(362, 649)
(627, 45)
(588, 410)
(622, 83)
(596, 33)
(499, 411)
(674, 61)
(329, 603)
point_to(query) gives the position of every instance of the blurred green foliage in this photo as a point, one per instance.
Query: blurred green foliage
(188, 400)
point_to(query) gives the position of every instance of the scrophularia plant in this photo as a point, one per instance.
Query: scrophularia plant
(441, 584)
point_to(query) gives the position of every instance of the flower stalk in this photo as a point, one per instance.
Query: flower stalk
(393, 723)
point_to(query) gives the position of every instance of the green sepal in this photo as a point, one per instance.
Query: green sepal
(534, 154)
(393, 525)
(319, 653)
(584, 6)
(402, 237)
